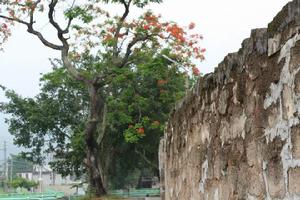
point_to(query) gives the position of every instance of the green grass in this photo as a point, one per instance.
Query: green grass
(107, 197)
(136, 192)
(35, 196)
(1, 190)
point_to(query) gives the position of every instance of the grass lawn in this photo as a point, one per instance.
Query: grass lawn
(105, 198)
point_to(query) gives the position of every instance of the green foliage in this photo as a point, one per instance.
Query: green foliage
(80, 13)
(139, 100)
(2, 87)
(22, 183)
(114, 59)
(145, 98)
(132, 134)
(52, 122)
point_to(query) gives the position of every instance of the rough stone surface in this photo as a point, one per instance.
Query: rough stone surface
(294, 180)
(236, 135)
(296, 142)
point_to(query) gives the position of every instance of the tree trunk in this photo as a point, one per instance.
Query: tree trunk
(92, 159)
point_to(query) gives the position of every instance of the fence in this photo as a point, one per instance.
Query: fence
(32, 196)
(131, 193)
(149, 192)
(61, 195)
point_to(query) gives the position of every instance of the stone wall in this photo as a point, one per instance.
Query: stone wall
(236, 135)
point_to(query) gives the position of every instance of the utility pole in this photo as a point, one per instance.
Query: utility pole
(5, 166)
(41, 179)
(11, 167)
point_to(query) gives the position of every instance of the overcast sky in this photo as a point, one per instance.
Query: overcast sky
(224, 25)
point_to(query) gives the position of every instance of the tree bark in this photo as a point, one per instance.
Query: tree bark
(94, 168)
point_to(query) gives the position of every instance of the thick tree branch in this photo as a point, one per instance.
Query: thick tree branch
(51, 16)
(120, 25)
(100, 80)
(135, 40)
(70, 67)
(125, 60)
(31, 13)
(66, 30)
(65, 49)
(126, 12)
(102, 126)
(15, 20)
(30, 28)
(42, 39)
(59, 30)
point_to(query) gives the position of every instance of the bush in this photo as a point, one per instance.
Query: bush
(22, 183)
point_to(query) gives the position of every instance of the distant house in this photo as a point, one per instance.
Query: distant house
(47, 178)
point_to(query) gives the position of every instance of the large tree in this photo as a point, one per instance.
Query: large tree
(117, 42)
(138, 102)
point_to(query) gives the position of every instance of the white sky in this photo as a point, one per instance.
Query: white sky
(224, 25)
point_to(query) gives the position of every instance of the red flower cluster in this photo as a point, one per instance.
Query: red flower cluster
(4, 29)
(146, 27)
(141, 131)
(196, 71)
(161, 82)
(151, 22)
(4, 26)
(176, 32)
(151, 18)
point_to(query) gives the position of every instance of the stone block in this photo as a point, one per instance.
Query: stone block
(276, 182)
(294, 180)
(222, 105)
(288, 103)
(297, 82)
(296, 142)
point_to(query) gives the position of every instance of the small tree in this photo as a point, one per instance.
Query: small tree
(20, 182)
(119, 43)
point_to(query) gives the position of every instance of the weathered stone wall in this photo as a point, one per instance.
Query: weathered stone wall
(236, 135)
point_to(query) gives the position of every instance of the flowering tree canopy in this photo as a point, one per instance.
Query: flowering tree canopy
(89, 28)
(85, 30)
